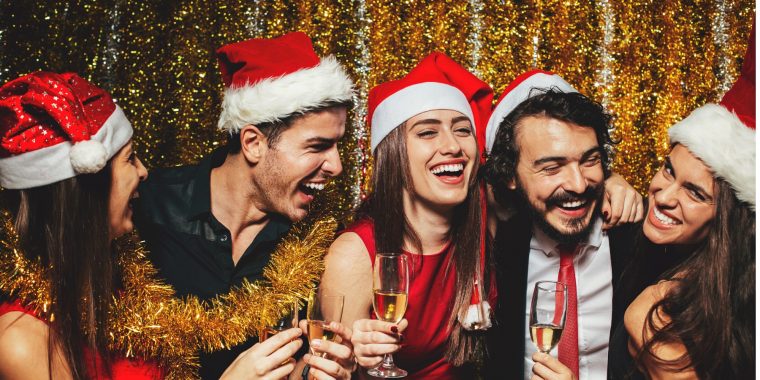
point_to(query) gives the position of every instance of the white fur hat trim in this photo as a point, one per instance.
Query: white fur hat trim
(718, 137)
(272, 99)
(88, 156)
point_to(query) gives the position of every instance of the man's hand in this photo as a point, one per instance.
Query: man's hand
(334, 360)
(622, 204)
(372, 339)
(549, 368)
(271, 359)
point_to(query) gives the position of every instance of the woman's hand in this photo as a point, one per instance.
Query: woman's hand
(270, 359)
(372, 339)
(621, 204)
(335, 359)
(549, 368)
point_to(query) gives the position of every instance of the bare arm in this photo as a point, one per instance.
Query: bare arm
(640, 333)
(24, 350)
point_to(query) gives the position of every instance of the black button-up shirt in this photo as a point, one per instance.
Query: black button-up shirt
(191, 249)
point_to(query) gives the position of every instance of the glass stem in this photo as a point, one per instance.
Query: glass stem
(388, 361)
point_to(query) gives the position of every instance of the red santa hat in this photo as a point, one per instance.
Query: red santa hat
(54, 127)
(525, 86)
(269, 79)
(438, 82)
(723, 136)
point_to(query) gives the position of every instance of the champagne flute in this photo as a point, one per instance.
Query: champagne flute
(323, 308)
(547, 314)
(390, 285)
(288, 320)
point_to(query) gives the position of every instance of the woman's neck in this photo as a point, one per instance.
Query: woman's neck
(432, 226)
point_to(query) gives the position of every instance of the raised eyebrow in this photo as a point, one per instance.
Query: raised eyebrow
(460, 118)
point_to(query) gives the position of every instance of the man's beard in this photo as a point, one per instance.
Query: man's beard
(578, 232)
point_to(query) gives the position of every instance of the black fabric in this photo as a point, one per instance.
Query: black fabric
(506, 340)
(621, 365)
(191, 249)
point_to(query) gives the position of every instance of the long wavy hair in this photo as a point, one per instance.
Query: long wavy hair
(392, 229)
(712, 306)
(65, 226)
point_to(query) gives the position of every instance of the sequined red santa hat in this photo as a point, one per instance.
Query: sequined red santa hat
(438, 82)
(268, 79)
(56, 126)
(525, 86)
(723, 135)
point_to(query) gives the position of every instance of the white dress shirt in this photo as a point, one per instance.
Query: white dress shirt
(593, 278)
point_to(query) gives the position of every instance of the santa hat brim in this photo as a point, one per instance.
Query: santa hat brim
(272, 99)
(52, 164)
(719, 138)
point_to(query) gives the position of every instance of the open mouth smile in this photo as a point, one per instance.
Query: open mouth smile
(450, 173)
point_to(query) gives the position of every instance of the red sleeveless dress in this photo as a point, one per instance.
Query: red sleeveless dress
(121, 368)
(431, 299)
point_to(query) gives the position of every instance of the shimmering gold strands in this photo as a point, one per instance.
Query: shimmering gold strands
(147, 321)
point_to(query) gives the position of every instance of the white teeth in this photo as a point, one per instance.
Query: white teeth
(447, 168)
(664, 219)
(315, 186)
(572, 204)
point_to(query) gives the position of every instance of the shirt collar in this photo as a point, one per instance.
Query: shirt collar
(548, 246)
(200, 201)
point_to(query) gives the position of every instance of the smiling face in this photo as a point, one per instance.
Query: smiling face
(681, 200)
(442, 154)
(305, 156)
(560, 176)
(126, 173)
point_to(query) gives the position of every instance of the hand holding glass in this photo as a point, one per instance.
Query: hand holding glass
(288, 320)
(547, 314)
(390, 285)
(323, 308)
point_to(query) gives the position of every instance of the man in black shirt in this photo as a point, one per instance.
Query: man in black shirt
(211, 225)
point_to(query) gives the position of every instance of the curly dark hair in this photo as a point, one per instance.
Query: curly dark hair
(571, 107)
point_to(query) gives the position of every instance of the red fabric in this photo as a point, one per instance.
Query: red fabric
(431, 296)
(43, 109)
(741, 97)
(251, 61)
(568, 344)
(122, 368)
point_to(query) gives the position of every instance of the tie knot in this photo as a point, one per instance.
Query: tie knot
(566, 253)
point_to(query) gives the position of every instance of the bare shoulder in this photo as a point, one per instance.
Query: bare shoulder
(348, 271)
(348, 252)
(23, 340)
(640, 333)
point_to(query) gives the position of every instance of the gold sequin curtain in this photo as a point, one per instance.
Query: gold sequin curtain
(649, 61)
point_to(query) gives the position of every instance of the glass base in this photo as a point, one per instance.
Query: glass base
(387, 372)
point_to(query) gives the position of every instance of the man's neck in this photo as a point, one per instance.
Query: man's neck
(233, 203)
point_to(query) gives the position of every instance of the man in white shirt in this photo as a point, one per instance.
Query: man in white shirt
(549, 160)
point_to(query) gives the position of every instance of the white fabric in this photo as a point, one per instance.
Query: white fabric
(52, 164)
(274, 98)
(719, 138)
(412, 101)
(593, 277)
(528, 88)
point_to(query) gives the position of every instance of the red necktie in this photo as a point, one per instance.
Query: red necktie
(568, 344)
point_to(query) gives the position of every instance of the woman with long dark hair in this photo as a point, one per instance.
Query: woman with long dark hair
(70, 173)
(692, 314)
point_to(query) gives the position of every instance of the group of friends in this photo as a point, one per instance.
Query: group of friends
(484, 200)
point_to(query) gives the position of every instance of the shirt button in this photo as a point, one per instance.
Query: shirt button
(223, 237)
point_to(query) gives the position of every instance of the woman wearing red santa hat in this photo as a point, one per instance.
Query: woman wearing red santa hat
(70, 172)
(697, 320)
(427, 206)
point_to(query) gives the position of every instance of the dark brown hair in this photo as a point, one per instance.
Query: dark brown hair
(273, 130)
(65, 225)
(390, 177)
(712, 306)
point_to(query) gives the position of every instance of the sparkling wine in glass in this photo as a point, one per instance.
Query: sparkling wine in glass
(288, 320)
(547, 314)
(390, 285)
(323, 308)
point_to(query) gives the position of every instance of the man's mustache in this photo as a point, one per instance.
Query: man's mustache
(592, 193)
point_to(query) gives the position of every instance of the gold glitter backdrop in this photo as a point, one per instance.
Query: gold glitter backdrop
(649, 61)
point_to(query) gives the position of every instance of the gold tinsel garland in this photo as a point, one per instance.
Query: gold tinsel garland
(147, 321)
